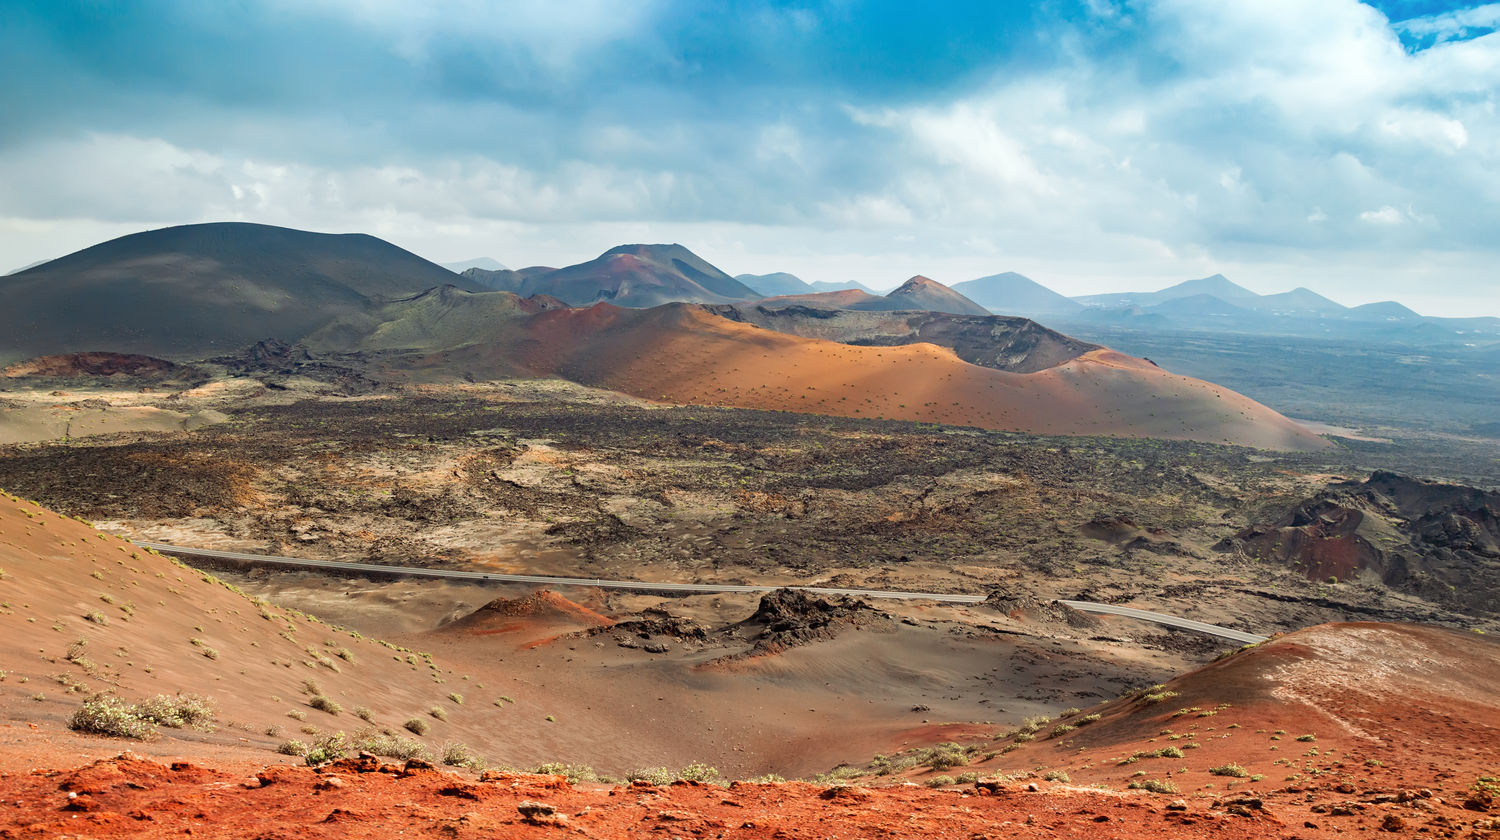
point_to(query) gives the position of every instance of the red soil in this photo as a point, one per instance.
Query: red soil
(128, 796)
(541, 608)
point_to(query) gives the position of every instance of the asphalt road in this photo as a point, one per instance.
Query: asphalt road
(417, 571)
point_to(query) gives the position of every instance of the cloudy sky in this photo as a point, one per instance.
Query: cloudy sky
(1094, 145)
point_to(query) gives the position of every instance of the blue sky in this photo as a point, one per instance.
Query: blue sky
(1095, 145)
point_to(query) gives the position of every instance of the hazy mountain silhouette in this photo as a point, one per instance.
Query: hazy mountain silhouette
(1010, 293)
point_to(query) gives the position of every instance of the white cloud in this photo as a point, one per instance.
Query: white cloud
(1386, 215)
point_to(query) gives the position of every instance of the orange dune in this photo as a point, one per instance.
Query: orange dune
(684, 354)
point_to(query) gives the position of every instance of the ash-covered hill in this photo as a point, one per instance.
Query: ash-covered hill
(196, 290)
(1439, 541)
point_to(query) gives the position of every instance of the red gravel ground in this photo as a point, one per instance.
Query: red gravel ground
(130, 796)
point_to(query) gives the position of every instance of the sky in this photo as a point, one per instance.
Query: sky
(1094, 145)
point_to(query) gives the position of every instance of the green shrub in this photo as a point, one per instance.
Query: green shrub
(416, 726)
(438, 712)
(1307, 738)
(1155, 786)
(1062, 729)
(458, 699)
(104, 715)
(1056, 776)
(390, 746)
(658, 776)
(1231, 769)
(572, 772)
(943, 756)
(459, 755)
(292, 747)
(940, 781)
(327, 748)
(324, 704)
(698, 772)
(364, 713)
(188, 710)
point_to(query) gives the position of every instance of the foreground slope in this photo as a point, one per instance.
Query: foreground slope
(1367, 705)
(688, 354)
(86, 612)
(196, 290)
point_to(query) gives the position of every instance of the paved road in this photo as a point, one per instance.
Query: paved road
(418, 571)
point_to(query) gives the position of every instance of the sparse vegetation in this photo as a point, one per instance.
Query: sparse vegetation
(416, 726)
(105, 715)
(1155, 786)
(438, 712)
(459, 755)
(328, 748)
(183, 710)
(574, 773)
(1231, 769)
(324, 704)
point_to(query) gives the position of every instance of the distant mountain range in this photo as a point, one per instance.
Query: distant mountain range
(486, 263)
(782, 283)
(195, 290)
(1220, 305)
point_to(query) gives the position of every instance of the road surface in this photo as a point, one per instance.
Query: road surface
(551, 580)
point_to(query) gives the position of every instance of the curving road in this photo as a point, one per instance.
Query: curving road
(418, 571)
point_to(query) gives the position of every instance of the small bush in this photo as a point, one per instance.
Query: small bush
(327, 748)
(1231, 769)
(944, 756)
(1158, 696)
(390, 746)
(574, 773)
(655, 775)
(96, 617)
(438, 712)
(103, 715)
(1307, 738)
(292, 747)
(459, 755)
(697, 772)
(364, 713)
(187, 710)
(297, 714)
(1062, 729)
(458, 699)
(940, 781)
(416, 726)
(1056, 776)
(1155, 786)
(324, 704)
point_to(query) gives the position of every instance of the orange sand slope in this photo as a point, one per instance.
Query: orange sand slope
(1366, 704)
(682, 353)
